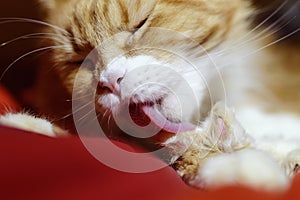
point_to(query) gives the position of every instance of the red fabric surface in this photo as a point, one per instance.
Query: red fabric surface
(38, 167)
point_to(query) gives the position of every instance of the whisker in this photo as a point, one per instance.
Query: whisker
(87, 114)
(76, 111)
(6, 20)
(105, 113)
(109, 117)
(90, 120)
(102, 116)
(32, 36)
(79, 98)
(267, 8)
(97, 117)
(207, 55)
(264, 21)
(108, 120)
(271, 33)
(29, 53)
(278, 29)
(266, 46)
(274, 42)
(257, 36)
(268, 28)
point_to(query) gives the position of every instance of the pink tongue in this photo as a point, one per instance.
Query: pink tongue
(158, 119)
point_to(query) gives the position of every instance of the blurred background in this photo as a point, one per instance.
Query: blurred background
(22, 74)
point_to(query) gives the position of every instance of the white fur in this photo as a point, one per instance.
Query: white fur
(248, 167)
(275, 133)
(149, 79)
(230, 155)
(182, 86)
(28, 123)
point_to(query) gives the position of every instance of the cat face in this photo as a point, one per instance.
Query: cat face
(143, 54)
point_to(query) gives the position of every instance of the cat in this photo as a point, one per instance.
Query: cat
(165, 66)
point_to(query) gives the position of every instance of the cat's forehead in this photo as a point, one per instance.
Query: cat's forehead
(90, 22)
(118, 15)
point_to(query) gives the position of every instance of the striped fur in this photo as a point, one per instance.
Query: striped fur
(216, 36)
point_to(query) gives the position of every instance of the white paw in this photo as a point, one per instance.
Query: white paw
(28, 123)
(220, 133)
(248, 167)
(223, 128)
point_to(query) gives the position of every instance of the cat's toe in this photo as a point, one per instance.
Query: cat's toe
(225, 130)
(291, 164)
(297, 168)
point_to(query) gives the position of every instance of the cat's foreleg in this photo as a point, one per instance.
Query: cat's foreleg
(31, 123)
(222, 153)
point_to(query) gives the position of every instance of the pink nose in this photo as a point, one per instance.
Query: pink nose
(111, 79)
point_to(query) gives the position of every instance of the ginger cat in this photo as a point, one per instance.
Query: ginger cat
(156, 70)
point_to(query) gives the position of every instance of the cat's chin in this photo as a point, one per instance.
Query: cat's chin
(143, 114)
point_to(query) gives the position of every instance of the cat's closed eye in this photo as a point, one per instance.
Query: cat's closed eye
(87, 64)
(139, 25)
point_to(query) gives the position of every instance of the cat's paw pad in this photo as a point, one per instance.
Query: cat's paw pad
(30, 123)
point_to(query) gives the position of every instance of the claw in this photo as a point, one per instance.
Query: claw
(221, 127)
(297, 168)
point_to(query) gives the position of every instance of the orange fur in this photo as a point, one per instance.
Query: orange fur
(209, 22)
(89, 22)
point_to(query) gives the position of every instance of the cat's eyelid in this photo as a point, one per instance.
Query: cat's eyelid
(88, 64)
(140, 25)
(85, 63)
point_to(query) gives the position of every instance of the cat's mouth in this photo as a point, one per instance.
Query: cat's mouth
(145, 113)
